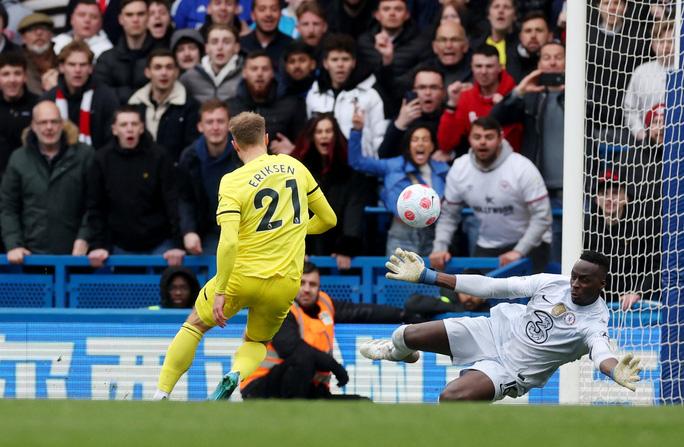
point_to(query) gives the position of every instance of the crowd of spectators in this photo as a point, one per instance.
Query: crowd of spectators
(114, 131)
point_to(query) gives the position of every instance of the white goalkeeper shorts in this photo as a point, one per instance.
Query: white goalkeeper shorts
(473, 344)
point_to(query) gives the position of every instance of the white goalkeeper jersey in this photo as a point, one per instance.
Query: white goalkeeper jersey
(534, 340)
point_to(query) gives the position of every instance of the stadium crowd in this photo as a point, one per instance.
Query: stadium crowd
(114, 132)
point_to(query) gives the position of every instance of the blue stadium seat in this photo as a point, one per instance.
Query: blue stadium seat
(115, 291)
(394, 293)
(343, 288)
(26, 290)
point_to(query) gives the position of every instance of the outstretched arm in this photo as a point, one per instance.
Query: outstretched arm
(408, 266)
(624, 372)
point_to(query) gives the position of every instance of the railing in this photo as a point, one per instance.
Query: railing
(555, 212)
(133, 281)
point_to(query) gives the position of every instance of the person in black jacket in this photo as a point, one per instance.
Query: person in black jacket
(323, 150)
(628, 232)
(352, 17)
(76, 89)
(391, 48)
(312, 24)
(427, 107)
(534, 33)
(616, 45)
(541, 110)
(201, 167)
(159, 22)
(285, 116)
(266, 36)
(132, 196)
(170, 112)
(16, 104)
(295, 368)
(299, 71)
(123, 67)
(451, 54)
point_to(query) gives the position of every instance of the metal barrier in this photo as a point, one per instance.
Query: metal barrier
(133, 281)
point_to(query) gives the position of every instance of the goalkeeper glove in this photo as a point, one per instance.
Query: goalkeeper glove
(408, 266)
(626, 372)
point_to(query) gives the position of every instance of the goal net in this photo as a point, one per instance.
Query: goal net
(633, 186)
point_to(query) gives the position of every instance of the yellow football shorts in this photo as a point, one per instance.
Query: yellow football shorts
(268, 301)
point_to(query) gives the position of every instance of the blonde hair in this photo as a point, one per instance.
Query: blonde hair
(248, 129)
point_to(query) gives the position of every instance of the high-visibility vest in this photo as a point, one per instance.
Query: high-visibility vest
(318, 332)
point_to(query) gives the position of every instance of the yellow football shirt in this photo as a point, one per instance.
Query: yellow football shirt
(271, 196)
(501, 47)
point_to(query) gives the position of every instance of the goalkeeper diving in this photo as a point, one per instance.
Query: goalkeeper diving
(517, 347)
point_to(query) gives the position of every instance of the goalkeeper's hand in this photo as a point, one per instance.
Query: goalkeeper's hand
(626, 372)
(405, 266)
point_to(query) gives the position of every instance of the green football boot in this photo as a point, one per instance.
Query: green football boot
(226, 386)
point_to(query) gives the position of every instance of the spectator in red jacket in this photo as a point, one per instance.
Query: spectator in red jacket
(468, 102)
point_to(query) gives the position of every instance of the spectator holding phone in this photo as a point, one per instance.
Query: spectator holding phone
(539, 103)
(423, 103)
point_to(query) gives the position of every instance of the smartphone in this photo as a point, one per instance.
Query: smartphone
(410, 96)
(551, 79)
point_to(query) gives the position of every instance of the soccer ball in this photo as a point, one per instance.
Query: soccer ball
(418, 206)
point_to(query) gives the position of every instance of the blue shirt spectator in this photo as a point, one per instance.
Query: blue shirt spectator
(414, 166)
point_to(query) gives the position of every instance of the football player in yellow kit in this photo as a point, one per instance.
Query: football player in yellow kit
(263, 212)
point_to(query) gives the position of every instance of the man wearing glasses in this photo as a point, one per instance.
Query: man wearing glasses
(43, 190)
(423, 103)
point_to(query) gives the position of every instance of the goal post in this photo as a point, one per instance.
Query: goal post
(619, 91)
(573, 150)
(672, 326)
(573, 167)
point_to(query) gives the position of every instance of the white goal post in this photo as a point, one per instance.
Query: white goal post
(623, 184)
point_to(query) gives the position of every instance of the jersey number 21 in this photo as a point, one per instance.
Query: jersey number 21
(266, 223)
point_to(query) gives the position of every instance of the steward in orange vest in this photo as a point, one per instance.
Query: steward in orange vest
(299, 362)
(306, 372)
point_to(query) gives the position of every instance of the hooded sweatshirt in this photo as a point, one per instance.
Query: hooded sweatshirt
(359, 92)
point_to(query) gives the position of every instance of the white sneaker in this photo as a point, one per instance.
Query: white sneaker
(160, 395)
(385, 350)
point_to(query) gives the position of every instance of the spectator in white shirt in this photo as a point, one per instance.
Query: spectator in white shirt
(86, 24)
(507, 195)
(648, 83)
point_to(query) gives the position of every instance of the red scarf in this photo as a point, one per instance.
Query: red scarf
(84, 114)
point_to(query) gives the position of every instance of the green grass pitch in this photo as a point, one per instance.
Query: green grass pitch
(327, 424)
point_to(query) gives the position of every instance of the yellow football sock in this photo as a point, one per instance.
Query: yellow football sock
(248, 357)
(179, 356)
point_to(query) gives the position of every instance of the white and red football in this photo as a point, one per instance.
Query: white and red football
(418, 206)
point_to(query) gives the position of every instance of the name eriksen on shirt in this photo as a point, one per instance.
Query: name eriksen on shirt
(268, 170)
